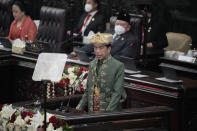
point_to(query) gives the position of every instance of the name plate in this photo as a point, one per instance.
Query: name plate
(187, 59)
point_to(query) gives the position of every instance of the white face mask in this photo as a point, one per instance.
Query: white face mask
(119, 29)
(88, 7)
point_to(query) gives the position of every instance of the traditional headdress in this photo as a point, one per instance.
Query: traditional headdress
(124, 16)
(102, 38)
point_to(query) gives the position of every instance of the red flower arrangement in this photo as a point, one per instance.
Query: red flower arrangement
(19, 115)
(25, 114)
(73, 78)
(1, 106)
(13, 118)
(56, 122)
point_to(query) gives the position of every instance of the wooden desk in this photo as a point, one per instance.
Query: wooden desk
(181, 66)
(181, 97)
(142, 92)
(159, 117)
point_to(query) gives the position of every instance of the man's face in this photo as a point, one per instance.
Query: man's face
(101, 51)
(149, 14)
(91, 2)
(123, 24)
(146, 13)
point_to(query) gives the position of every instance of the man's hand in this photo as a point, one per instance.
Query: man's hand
(76, 110)
(149, 45)
(73, 54)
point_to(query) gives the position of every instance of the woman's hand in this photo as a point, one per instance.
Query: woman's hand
(11, 41)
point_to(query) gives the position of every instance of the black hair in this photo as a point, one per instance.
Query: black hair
(96, 1)
(108, 45)
(145, 7)
(124, 16)
(20, 4)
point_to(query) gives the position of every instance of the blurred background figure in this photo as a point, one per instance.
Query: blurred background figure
(23, 27)
(91, 20)
(155, 28)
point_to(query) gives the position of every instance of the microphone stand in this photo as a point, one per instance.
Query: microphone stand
(47, 47)
(65, 44)
(67, 106)
(44, 85)
(72, 38)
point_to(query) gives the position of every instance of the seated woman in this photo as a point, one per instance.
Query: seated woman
(22, 25)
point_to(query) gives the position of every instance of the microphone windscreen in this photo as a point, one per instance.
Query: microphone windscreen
(79, 74)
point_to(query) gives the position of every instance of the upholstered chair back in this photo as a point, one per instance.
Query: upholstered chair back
(5, 17)
(52, 27)
(178, 42)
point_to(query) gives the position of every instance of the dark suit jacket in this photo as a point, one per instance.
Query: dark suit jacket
(97, 24)
(157, 34)
(126, 45)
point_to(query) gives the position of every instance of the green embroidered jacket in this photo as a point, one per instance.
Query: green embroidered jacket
(110, 79)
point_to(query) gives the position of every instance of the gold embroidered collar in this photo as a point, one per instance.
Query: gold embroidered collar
(105, 60)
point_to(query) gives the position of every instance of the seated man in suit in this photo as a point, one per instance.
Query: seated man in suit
(92, 20)
(124, 42)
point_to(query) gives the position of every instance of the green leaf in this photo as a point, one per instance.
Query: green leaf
(66, 127)
(76, 69)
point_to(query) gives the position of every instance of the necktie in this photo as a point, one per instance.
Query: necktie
(85, 22)
(116, 38)
(142, 34)
(142, 41)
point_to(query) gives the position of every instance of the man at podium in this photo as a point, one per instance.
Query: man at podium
(105, 90)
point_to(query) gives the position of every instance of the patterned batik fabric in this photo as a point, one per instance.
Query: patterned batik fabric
(96, 99)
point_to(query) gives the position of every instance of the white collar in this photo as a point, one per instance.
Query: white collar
(93, 13)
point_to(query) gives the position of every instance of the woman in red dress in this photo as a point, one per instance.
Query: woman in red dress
(22, 25)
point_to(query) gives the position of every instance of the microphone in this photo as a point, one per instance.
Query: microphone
(79, 74)
(67, 106)
(84, 77)
(72, 38)
(61, 106)
(66, 45)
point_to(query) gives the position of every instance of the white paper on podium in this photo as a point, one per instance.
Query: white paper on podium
(49, 66)
(168, 80)
(139, 75)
